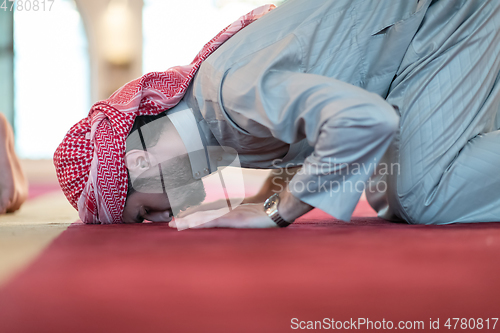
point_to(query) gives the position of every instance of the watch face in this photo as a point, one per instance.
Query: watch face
(271, 203)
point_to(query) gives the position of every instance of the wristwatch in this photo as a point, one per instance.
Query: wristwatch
(271, 209)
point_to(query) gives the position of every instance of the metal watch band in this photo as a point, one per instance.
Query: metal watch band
(279, 221)
(271, 209)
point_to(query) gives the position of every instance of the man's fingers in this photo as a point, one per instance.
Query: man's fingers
(208, 206)
(209, 224)
(207, 219)
(159, 216)
(192, 210)
(243, 216)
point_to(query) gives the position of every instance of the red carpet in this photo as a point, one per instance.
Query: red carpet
(150, 278)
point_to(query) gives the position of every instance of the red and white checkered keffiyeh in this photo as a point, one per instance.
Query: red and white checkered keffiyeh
(90, 162)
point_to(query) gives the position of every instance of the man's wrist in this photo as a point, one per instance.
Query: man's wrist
(290, 208)
(271, 209)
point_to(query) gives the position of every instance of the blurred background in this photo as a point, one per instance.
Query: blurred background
(59, 57)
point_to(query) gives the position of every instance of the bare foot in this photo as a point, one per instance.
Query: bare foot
(13, 184)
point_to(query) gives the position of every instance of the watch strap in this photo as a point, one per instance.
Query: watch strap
(271, 209)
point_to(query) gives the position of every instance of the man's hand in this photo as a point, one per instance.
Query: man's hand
(219, 204)
(244, 216)
(209, 206)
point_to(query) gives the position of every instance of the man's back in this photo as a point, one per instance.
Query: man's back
(359, 42)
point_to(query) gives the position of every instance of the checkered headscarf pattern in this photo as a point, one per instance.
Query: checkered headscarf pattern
(90, 161)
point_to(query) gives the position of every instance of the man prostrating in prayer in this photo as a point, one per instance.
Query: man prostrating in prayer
(335, 88)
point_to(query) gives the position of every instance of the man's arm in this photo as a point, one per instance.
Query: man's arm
(276, 182)
(290, 207)
(349, 128)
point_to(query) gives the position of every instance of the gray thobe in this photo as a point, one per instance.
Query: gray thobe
(325, 84)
